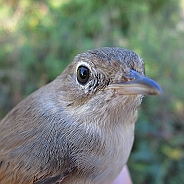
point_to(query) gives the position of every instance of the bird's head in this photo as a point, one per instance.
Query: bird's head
(106, 75)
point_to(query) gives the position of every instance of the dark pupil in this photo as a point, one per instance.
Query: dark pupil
(82, 74)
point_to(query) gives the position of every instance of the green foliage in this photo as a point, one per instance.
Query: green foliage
(39, 38)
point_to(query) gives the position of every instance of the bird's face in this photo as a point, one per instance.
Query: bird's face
(103, 74)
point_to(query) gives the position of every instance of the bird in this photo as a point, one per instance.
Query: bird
(79, 128)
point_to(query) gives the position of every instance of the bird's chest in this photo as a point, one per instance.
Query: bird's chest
(118, 147)
(110, 157)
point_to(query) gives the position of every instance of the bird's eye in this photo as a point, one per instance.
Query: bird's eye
(82, 75)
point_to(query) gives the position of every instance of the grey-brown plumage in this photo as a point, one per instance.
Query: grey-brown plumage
(78, 129)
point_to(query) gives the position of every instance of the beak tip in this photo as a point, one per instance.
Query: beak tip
(156, 90)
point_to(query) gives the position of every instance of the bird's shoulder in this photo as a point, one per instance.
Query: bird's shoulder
(28, 134)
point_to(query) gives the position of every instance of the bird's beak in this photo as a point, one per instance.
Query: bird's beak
(135, 83)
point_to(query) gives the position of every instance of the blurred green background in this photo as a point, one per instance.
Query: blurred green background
(38, 38)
